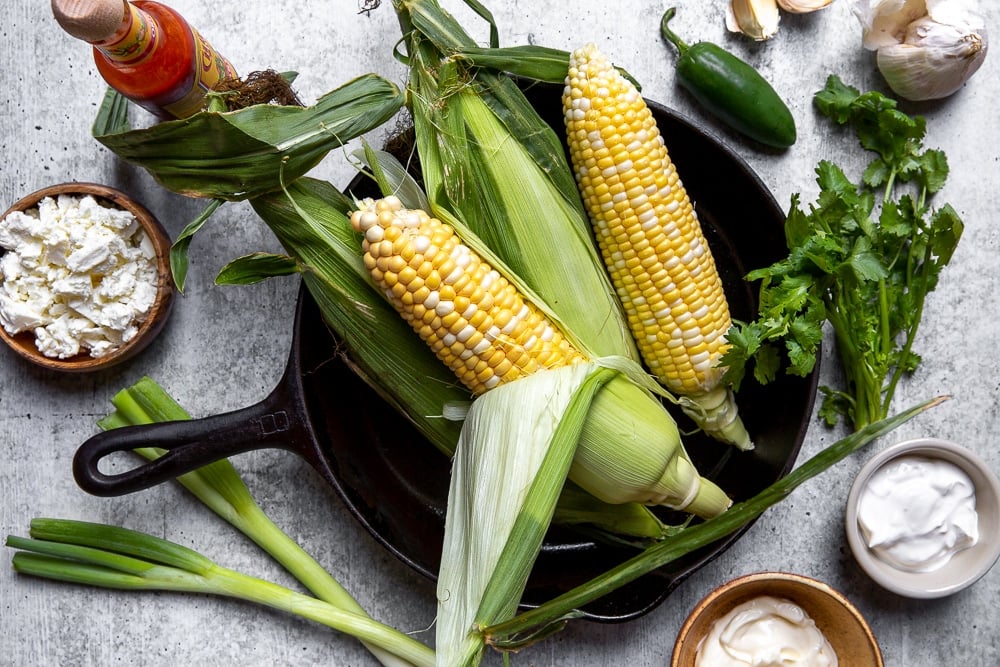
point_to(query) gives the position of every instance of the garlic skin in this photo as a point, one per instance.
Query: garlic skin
(803, 6)
(926, 49)
(757, 19)
(884, 22)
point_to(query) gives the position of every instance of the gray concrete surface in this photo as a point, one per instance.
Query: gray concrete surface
(225, 348)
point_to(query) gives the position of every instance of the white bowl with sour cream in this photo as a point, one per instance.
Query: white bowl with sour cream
(923, 518)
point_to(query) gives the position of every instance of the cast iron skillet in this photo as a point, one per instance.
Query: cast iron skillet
(395, 483)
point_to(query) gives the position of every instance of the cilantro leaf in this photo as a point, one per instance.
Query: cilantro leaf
(933, 169)
(946, 229)
(865, 264)
(835, 100)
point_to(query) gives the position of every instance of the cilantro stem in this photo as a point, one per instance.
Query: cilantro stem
(863, 384)
(911, 335)
(890, 185)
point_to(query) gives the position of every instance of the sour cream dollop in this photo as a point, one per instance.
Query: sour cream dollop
(765, 631)
(915, 513)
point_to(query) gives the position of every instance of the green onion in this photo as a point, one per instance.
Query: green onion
(220, 487)
(109, 557)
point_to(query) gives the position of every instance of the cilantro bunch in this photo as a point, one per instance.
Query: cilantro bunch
(863, 257)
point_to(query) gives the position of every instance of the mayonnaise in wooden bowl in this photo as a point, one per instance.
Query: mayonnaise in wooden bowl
(923, 518)
(765, 616)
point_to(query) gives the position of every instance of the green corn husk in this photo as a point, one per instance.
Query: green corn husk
(631, 441)
(530, 61)
(310, 221)
(241, 154)
(472, 134)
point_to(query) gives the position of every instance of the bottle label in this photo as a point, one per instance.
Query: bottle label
(210, 69)
(135, 40)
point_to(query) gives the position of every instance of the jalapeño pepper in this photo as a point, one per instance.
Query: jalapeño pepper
(732, 90)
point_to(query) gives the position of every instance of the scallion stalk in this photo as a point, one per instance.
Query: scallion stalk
(111, 557)
(220, 487)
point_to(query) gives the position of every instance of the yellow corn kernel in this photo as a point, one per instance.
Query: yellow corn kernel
(473, 318)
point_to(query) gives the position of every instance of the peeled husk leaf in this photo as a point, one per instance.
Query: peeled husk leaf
(514, 452)
(757, 19)
(518, 443)
(242, 154)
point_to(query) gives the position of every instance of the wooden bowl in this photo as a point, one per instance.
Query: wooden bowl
(839, 621)
(24, 343)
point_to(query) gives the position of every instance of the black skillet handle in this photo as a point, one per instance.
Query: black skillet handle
(277, 422)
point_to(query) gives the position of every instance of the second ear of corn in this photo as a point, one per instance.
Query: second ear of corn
(651, 241)
(489, 334)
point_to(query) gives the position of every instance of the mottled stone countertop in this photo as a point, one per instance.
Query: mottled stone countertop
(225, 348)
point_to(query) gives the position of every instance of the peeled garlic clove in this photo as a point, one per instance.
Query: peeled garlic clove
(934, 60)
(757, 19)
(803, 6)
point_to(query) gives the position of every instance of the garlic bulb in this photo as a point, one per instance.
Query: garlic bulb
(926, 49)
(757, 19)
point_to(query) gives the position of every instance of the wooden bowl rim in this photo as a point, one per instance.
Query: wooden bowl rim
(24, 343)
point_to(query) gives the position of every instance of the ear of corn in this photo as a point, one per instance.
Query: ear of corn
(651, 241)
(319, 236)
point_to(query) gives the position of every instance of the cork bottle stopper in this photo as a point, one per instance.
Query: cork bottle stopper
(89, 20)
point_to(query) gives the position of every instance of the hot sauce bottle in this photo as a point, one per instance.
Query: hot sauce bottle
(147, 52)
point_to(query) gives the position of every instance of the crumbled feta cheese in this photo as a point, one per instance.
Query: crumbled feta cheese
(79, 275)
